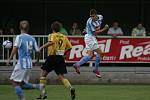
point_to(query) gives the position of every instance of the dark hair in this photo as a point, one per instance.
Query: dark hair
(56, 26)
(93, 11)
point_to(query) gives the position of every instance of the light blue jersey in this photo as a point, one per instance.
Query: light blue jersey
(26, 44)
(92, 25)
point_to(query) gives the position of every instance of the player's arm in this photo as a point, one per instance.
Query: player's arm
(49, 43)
(14, 50)
(36, 48)
(98, 30)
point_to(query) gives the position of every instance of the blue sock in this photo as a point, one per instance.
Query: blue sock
(27, 86)
(84, 60)
(97, 61)
(31, 86)
(19, 92)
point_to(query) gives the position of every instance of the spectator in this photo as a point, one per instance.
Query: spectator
(12, 31)
(63, 30)
(1, 31)
(139, 30)
(115, 30)
(75, 30)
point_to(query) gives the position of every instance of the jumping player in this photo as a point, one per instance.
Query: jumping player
(58, 46)
(25, 45)
(93, 27)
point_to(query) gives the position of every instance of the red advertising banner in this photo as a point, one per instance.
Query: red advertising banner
(115, 49)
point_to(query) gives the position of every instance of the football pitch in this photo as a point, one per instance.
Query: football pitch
(84, 92)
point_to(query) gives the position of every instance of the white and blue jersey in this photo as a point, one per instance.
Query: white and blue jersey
(26, 44)
(89, 39)
(92, 25)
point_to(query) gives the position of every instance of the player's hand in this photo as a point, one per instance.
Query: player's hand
(40, 49)
(8, 62)
(106, 26)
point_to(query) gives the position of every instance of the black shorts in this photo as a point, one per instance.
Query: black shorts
(56, 63)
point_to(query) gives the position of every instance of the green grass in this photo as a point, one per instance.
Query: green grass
(84, 92)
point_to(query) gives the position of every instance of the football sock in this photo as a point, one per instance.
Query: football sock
(31, 86)
(42, 85)
(97, 61)
(19, 92)
(84, 60)
(66, 83)
(43, 80)
(27, 86)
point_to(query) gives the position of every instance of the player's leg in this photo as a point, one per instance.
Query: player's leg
(17, 77)
(26, 84)
(60, 70)
(18, 90)
(46, 68)
(89, 42)
(65, 81)
(42, 85)
(67, 84)
(97, 61)
(30, 86)
(83, 60)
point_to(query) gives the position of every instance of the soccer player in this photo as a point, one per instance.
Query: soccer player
(92, 28)
(25, 44)
(58, 46)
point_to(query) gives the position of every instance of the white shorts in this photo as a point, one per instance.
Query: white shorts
(19, 74)
(90, 42)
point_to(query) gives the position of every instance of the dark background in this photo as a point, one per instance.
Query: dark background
(42, 12)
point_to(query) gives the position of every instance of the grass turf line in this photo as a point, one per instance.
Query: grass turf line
(84, 92)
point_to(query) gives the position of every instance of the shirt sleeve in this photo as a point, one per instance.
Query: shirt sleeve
(51, 38)
(100, 17)
(17, 42)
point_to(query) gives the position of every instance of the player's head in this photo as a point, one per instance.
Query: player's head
(93, 14)
(24, 26)
(56, 26)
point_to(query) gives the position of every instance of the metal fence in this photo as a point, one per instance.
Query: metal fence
(5, 53)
